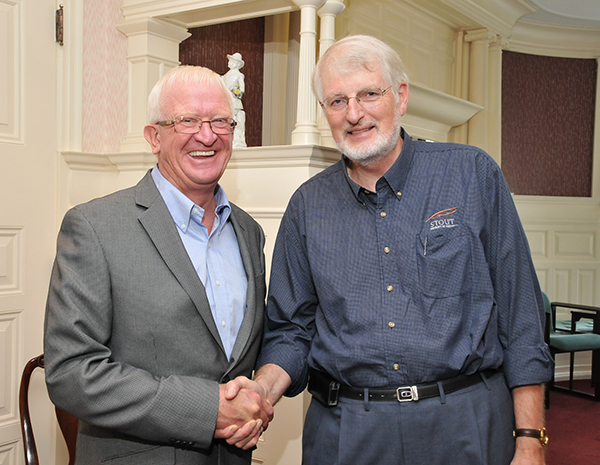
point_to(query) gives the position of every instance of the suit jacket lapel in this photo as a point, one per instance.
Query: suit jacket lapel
(247, 326)
(158, 223)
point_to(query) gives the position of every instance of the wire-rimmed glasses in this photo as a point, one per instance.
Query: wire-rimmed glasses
(191, 125)
(367, 98)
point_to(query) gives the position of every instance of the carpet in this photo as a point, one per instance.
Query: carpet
(573, 425)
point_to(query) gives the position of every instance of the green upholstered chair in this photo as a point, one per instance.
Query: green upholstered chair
(571, 341)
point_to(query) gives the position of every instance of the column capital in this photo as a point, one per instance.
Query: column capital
(304, 3)
(331, 7)
(154, 26)
(499, 41)
(482, 34)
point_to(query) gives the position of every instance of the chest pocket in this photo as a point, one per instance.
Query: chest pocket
(444, 262)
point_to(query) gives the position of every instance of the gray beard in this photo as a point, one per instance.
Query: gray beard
(377, 151)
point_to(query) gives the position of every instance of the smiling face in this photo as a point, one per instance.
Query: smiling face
(365, 135)
(193, 163)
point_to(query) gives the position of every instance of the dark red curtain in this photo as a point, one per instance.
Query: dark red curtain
(209, 46)
(548, 107)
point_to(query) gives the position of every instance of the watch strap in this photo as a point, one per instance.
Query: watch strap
(532, 433)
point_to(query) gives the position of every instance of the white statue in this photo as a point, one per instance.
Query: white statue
(234, 80)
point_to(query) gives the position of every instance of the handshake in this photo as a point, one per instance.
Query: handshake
(246, 406)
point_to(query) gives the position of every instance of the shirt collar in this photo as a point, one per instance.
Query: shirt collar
(396, 175)
(181, 207)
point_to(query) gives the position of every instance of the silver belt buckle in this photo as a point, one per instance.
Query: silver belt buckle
(407, 394)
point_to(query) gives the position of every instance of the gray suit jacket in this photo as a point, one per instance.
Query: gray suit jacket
(131, 347)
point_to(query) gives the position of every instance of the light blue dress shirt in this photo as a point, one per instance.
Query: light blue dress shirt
(215, 256)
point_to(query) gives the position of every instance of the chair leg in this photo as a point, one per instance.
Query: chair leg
(595, 365)
(571, 367)
(596, 374)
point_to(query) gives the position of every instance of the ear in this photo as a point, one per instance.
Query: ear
(153, 138)
(403, 95)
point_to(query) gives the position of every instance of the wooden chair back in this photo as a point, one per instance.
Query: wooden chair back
(67, 422)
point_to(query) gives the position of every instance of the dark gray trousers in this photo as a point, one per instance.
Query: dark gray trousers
(470, 427)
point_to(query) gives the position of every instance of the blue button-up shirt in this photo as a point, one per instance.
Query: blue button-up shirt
(216, 257)
(427, 278)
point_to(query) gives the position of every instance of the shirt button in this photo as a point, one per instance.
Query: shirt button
(217, 282)
(383, 214)
(195, 211)
(390, 288)
(396, 366)
(223, 323)
(391, 324)
(386, 249)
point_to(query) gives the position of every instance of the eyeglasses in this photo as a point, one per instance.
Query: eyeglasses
(368, 98)
(190, 125)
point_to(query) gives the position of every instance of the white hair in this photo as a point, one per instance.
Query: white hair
(182, 75)
(360, 51)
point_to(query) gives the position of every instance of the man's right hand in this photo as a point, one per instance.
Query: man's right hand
(244, 412)
(270, 382)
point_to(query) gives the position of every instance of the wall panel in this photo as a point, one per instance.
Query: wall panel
(563, 238)
(11, 62)
(9, 339)
(10, 260)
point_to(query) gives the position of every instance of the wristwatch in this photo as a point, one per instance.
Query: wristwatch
(532, 433)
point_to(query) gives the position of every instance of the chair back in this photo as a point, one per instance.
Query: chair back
(67, 422)
(549, 320)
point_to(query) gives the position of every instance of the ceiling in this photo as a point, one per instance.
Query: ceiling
(578, 13)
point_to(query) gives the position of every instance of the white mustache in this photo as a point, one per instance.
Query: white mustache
(365, 125)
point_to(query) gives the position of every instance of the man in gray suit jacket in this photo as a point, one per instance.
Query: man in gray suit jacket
(157, 295)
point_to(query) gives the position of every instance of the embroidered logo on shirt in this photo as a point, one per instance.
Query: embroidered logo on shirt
(440, 219)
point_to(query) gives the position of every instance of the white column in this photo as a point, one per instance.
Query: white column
(306, 131)
(478, 85)
(327, 13)
(494, 147)
(152, 49)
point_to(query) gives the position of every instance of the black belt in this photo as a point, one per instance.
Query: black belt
(327, 390)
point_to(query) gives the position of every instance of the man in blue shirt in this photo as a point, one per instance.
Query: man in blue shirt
(157, 297)
(403, 291)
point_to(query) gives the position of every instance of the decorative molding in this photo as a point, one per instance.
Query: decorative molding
(499, 17)
(195, 13)
(538, 243)
(11, 450)
(557, 41)
(265, 213)
(250, 157)
(288, 156)
(11, 260)
(572, 211)
(10, 330)
(431, 113)
(12, 94)
(575, 245)
(109, 162)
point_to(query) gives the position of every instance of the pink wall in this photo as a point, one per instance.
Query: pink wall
(104, 77)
